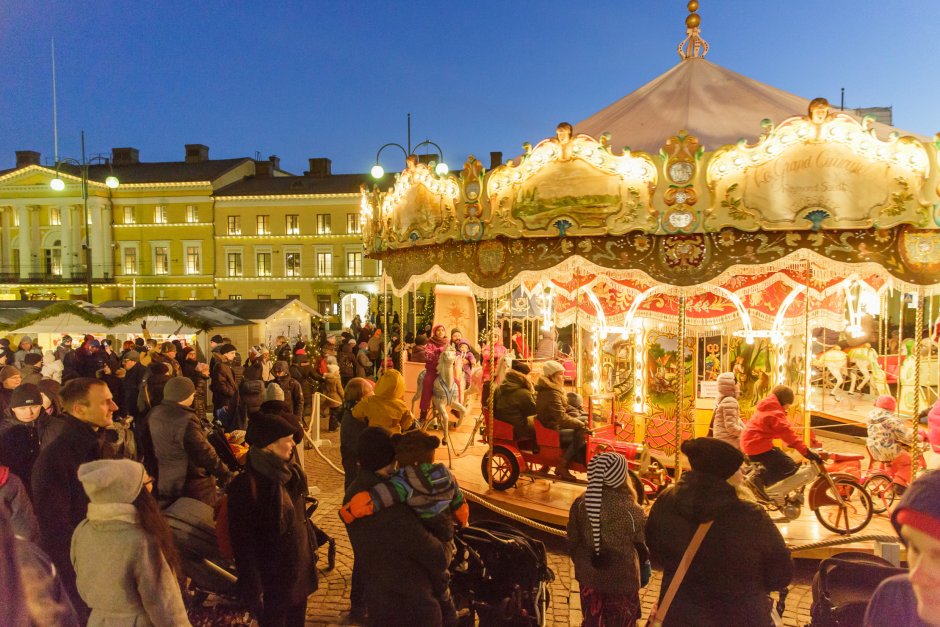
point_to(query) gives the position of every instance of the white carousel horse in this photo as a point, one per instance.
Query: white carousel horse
(835, 362)
(447, 392)
(865, 360)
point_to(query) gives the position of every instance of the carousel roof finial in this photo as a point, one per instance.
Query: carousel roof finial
(693, 45)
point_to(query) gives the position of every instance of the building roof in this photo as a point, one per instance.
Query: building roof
(712, 103)
(247, 309)
(301, 185)
(163, 171)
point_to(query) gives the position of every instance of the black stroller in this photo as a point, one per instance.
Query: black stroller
(843, 585)
(500, 575)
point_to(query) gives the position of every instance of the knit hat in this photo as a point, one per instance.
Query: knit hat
(285, 411)
(8, 372)
(216, 339)
(605, 469)
(178, 389)
(415, 447)
(26, 338)
(374, 449)
(713, 457)
(920, 506)
(521, 366)
(273, 392)
(26, 395)
(281, 366)
(263, 429)
(31, 359)
(227, 348)
(550, 368)
(112, 480)
(574, 399)
(132, 356)
(886, 401)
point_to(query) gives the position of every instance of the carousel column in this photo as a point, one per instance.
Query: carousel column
(491, 326)
(680, 381)
(807, 360)
(915, 402)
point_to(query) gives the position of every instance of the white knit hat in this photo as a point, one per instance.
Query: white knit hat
(550, 368)
(112, 480)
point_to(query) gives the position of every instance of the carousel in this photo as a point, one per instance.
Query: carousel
(704, 223)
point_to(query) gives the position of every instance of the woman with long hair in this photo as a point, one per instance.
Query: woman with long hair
(126, 565)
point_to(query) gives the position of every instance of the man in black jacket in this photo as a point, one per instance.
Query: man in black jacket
(59, 500)
(134, 375)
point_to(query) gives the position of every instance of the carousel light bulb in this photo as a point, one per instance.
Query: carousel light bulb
(57, 184)
(748, 339)
(378, 171)
(637, 408)
(441, 169)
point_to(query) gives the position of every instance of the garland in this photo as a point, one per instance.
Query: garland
(94, 317)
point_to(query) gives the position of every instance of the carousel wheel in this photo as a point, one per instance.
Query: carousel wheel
(881, 489)
(855, 512)
(505, 468)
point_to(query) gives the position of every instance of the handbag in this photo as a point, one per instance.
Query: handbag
(658, 613)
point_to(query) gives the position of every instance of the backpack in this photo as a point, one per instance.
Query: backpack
(222, 532)
(143, 394)
(345, 363)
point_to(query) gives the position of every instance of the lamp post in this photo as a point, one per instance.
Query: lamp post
(440, 169)
(58, 185)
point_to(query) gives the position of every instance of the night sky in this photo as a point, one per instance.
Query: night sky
(336, 79)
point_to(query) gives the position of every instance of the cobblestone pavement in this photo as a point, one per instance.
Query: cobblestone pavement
(327, 605)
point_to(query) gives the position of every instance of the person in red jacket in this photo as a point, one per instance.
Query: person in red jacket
(767, 423)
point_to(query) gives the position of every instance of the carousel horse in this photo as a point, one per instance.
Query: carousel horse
(447, 392)
(865, 360)
(835, 362)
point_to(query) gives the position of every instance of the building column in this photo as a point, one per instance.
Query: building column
(26, 242)
(6, 257)
(96, 239)
(75, 236)
(65, 237)
(106, 228)
(35, 242)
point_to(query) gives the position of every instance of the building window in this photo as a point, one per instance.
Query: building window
(193, 261)
(378, 267)
(234, 225)
(234, 260)
(323, 224)
(234, 296)
(353, 264)
(129, 217)
(324, 264)
(264, 225)
(293, 225)
(55, 216)
(353, 223)
(159, 214)
(130, 260)
(264, 297)
(324, 304)
(192, 213)
(264, 263)
(54, 259)
(292, 263)
(161, 259)
(294, 296)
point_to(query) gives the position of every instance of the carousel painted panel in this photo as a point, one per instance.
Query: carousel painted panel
(662, 363)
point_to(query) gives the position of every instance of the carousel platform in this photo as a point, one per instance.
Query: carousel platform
(546, 500)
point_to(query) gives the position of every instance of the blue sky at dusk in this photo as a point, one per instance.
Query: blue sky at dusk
(336, 79)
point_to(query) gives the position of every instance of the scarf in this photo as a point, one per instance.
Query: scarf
(280, 472)
(125, 512)
(605, 469)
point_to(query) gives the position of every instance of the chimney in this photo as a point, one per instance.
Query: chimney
(26, 157)
(275, 162)
(264, 169)
(320, 167)
(496, 160)
(125, 156)
(197, 153)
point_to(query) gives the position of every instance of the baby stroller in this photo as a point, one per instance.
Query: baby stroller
(193, 525)
(843, 585)
(500, 575)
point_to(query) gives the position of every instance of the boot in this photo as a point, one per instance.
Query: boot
(561, 471)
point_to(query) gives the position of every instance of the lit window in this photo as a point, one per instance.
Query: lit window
(324, 304)
(264, 297)
(161, 260)
(292, 263)
(353, 223)
(16, 218)
(129, 217)
(130, 260)
(159, 214)
(353, 264)
(324, 264)
(54, 259)
(323, 224)
(234, 296)
(55, 216)
(264, 263)
(192, 259)
(234, 225)
(234, 264)
(293, 225)
(192, 213)
(264, 225)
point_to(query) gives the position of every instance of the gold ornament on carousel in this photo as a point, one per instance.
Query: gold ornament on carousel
(693, 46)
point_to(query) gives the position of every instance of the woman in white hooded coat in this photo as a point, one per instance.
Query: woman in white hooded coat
(726, 420)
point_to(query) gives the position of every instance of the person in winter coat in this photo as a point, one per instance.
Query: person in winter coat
(432, 350)
(126, 565)
(223, 386)
(350, 427)
(726, 419)
(197, 372)
(51, 367)
(26, 347)
(547, 346)
(51, 403)
(268, 525)
(769, 421)
(346, 360)
(518, 343)
(58, 498)
(31, 372)
(332, 389)
(887, 437)
(16, 507)
(418, 353)
(466, 363)
(293, 393)
(514, 401)
(7, 356)
(356, 326)
(134, 374)
(716, 591)
(282, 350)
(399, 569)
(375, 344)
(187, 464)
(606, 542)
(363, 364)
(308, 378)
(10, 379)
(23, 431)
(550, 403)
(386, 408)
(913, 598)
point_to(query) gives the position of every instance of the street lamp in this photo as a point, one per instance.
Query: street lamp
(440, 169)
(58, 185)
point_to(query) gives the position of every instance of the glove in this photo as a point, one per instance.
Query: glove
(359, 506)
(646, 573)
(812, 456)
